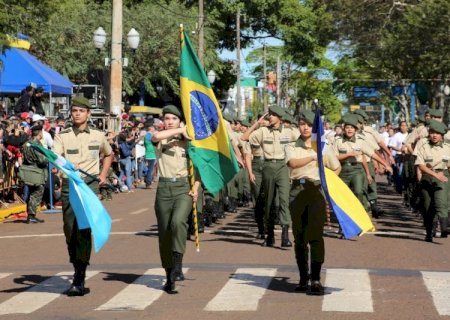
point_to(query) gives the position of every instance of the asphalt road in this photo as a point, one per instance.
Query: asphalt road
(389, 274)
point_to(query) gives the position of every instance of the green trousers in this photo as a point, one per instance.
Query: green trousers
(35, 198)
(371, 190)
(354, 177)
(172, 207)
(275, 179)
(79, 242)
(308, 211)
(434, 194)
(257, 168)
(232, 188)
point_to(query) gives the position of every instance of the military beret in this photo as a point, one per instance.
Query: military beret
(358, 117)
(173, 110)
(350, 119)
(277, 110)
(436, 113)
(437, 126)
(228, 117)
(245, 123)
(421, 118)
(81, 102)
(362, 113)
(307, 116)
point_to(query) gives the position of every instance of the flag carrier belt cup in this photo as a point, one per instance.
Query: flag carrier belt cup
(173, 179)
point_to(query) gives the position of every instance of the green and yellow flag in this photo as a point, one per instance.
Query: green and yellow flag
(210, 149)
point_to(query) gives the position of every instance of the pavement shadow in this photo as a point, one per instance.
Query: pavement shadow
(27, 281)
(127, 278)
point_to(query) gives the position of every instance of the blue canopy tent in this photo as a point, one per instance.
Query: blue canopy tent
(20, 69)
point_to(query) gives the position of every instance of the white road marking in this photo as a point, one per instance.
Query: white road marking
(243, 291)
(116, 220)
(140, 294)
(39, 295)
(140, 211)
(350, 291)
(4, 275)
(438, 284)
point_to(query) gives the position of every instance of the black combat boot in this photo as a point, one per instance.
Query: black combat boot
(304, 273)
(444, 224)
(169, 286)
(316, 288)
(270, 239)
(376, 213)
(178, 266)
(233, 205)
(77, 289)
(285, 242)
(240, 201)
(261, 233)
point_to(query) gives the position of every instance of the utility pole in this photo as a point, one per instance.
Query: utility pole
(115, 89)
(278, 80)
(200, 31)
(238, 62)
(265, 79)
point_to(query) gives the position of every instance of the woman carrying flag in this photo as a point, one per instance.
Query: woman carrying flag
(174, 197)
(307, 205)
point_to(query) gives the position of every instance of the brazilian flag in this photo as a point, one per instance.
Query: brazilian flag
(210, 148)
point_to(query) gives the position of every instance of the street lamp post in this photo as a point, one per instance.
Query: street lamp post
(116, 63)
(211, 76)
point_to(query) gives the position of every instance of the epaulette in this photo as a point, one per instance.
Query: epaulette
(65, 131)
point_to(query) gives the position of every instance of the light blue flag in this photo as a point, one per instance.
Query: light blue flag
(88, 209)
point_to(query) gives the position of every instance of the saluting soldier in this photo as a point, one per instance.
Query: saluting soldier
(33, 172)
(82, 146)
(174, 197)
(307, 205)
(351, 150)
(433, 160)
(275, 179)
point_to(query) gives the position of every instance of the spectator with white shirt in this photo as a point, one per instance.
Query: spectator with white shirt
(396, 145)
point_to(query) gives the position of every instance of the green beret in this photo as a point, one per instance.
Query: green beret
(358, 117)
(421, 118)
(173, 110)
(437, 126)
(436, 113)
(350, 119)
(81, 102)
(362, 113)
(307, 116)
(277, 110)
(245, 123)
(288, 118)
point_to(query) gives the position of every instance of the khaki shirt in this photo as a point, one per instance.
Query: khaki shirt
(82, 148)
(343, 145)
(418, 133)
(309, 171)
(435, 157)
(419, 144)
(372, 137)
(376, 135)
(447, 137)
(273, 141)
(172, 158)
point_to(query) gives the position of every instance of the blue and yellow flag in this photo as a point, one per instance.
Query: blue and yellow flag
(210, 148)
(349, 211)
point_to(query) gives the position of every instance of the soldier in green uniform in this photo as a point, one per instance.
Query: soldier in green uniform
(275, 179)
(351, 150)
(433, 160)
(307, 205)
(174, 197)
(33, 172)
(82, 146)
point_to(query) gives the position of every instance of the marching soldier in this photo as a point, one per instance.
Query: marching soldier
(351, 150)
(33, 172)
(174, 197)
(272, 141)
(82, 146)
(307, 205)
(433, 160)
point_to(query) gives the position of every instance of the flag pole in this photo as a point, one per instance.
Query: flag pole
(192, 178)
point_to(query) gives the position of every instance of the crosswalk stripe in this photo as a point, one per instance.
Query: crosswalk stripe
(243, 291)
(4, 275)
(438, 284)
(140, 294)
(39, 295)
(350, 291)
